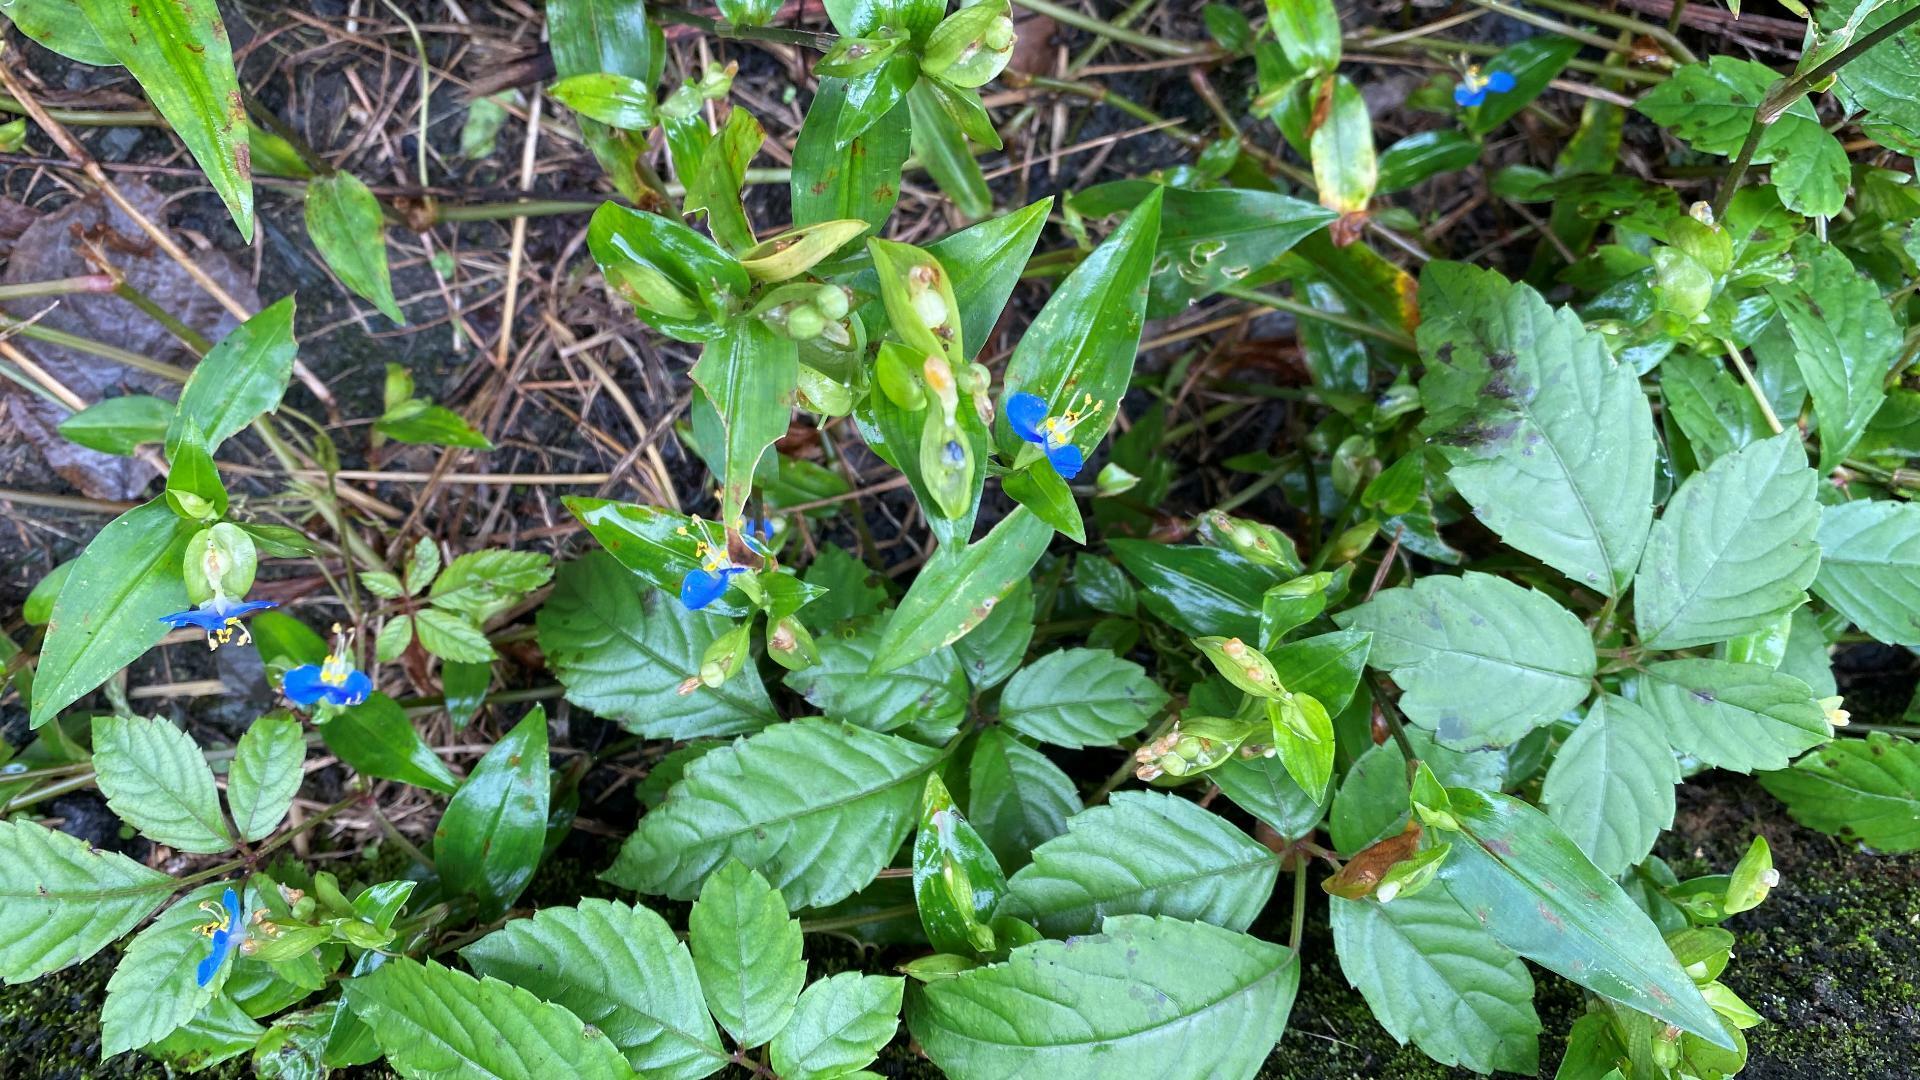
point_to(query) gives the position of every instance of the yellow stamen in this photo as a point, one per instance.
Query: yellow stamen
(220, 919)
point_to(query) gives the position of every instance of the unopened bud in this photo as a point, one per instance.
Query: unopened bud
(805, 322)
(831, 301)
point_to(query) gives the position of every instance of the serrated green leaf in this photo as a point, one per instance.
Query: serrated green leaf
(1874, 82)
(219, 1032)
(959, 587)
(240, 379)
(618, 968)
(266, 773)
(1717, 414)
(1860, 789)
(450, 637)
(747, 951)
(1870, 567)
(490, 839)
(375, 738)
(1143, 853)
(1845, 341)
(839, 1025)
(153, 990)
(817, 807)
(622, 650)
(1080, 697)
(1432, 974)
(1481, 660)
(119, 425)
(435, 1023)
(1734, 549)
(1735, 716)
(61, 901)
(1610, 787)
(156, 779)
(1170, 999)
(1017, 799)
(929, 694)
(482, 584)
(941, 148)
(346, 227)
(393, 638)
(852, 589)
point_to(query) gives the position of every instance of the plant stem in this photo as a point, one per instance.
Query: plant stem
(1332, 318)
(1145, 42)
(805, 39)
(37, 332)
(1391, 713)
(85, 283)
(91, 117)
(1299, 927)
(848, 922)
(1668, 41)
(1555, 25)
(1753, 385)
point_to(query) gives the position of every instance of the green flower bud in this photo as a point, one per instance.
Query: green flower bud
(832, 302)
(971, 46)
(805, 322)
(894, 371)
(791, 645)
(220, 561)
(726, 655)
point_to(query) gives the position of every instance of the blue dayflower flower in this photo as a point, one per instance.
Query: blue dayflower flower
(702, 586)
(220, 618)
(1474, 87)
(333, 682)
(225, 932)
(1027, 416)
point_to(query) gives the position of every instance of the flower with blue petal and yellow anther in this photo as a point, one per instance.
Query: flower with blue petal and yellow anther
(1474, 87)
(333, 682)
(226, 931)
(220, 618)
(1027, 415)
(710, 580)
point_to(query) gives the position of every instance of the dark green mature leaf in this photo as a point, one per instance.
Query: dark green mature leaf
(984, 261)
(659, 545)
(929, 694)
(489, 840)
(1875, 81)
(749, 374)
(1143, 853)
(238, 380)
(220, 1032)
(1198, 590)
(1170, 999)
(840, 1025)
(997, 647)
(179, 52)
(266, 773)
(747, 951)
(1533, 63)
(433, 1021)
(60, 25)
(618, 968)
(61, 901)
(119, 425)
(153, 990)
(1079, 350)
(623, 650)
(1861, 789)
(1870, 567)
(859, 181)
(959, 587)
(1712, 106)
(591, 36)
(817, 807)
(1734, 549)
(1845, 342)
(1481, 660)
(942, 149)
(1215, 238)
(375, 738)
(1548, 437)
(108, 611)
(1325, 666)
(346, 227)
(680, 282)
(1373, 801)
(1433, 974)
(1262, 787)
(1080, 697)
(1610, 787)
(1736, 716)
(1018, 799)
(1425, 154)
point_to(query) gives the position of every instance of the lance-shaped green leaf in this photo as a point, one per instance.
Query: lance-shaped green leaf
(931, 691)
(680, 282)
(1534, 891)
(154, 990)
(1171, 999)
(715, 186)
(433, 1021)
(1209, 239)
(120, 425)
(1870, 567)
(1425, 154)
(179, 52)
(1860, 789)
(984, 262)
(109, 609)
(1198, 590)
(61, 901)
(1341, 146)
(238, 380)
(1327, 666)
(659, 545)
(958, 588)
(1078, 353)
(623, 650)
(873, 94)
(839, 1026)
(618, 968)
(346, 227)
(748, 374)
(1547, 436)
(1143, 853)
(615, 100)
(489, 840)
(591, 36)
(155, 778)
(61, 26)
(1433, 974)
(998, 646)
(1481, 660)
(1845, 341)
(1734, 549)
(957, 882)
(375, 738)
(1736, 716)
(1262, 787)
(817, 807)
(1017, 799)
(1533, 63)
(266, 773)
(1080, 697)
(1610, 787)
(860, 180)
(747, 951)
(1308, 32)
(942, 148)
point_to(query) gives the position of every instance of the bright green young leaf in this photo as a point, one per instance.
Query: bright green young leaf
(180, 54)
(1870, 567)
(959, 587)
(1433, 974)
(1742, 717)
(489, 841)
(1481, 660)
(61, 901)
(929, 694)
(747, 951)
(872, 95)
(617, 101)
(1327, 666)
(818, 807)
(153, 990)
(451, 637)
(1262, 787)
(120, 425)
(618, 968)
(482, 584)
(422, 423)
(346, 227)
(1845, 342)
(748, 373)
(1169, 999)
(1341, 147)
(1610, 787)
(683, 284)
(998, 646)
(1143, 853)
(61, 26)
(433, 1021)
(1039, 488)
(588, 37)
(1859, 789)
(1198, 590)
(375, 738)
(1308, 32)
(1018, 799)
(623, 650)
(265, 775)
(839, 1025)
(860, 180)
(155, 778)
(1533, 63)
(1080, 697)
(1734, 549)
(715, 186)
(240, 378)
(108, 611)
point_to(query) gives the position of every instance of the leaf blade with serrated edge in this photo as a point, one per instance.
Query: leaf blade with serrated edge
(61, 901)
(840, 1025)
(1610, 787)
(747, 951)
(1742, 717)
(156, 779)
(266, 773)
(1870, 567)
(1866, 790)
(1080, 697)
(1017, 798)
(154, 990)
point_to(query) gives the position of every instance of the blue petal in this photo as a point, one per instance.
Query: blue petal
(1067, 460)
(1467, 98)
(1024, 415)
(196, 617)
(1500, 81)
(702, 587)
(209, 967)
(248, 607)
(302, 685)
(353, 691)
(231, 901)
